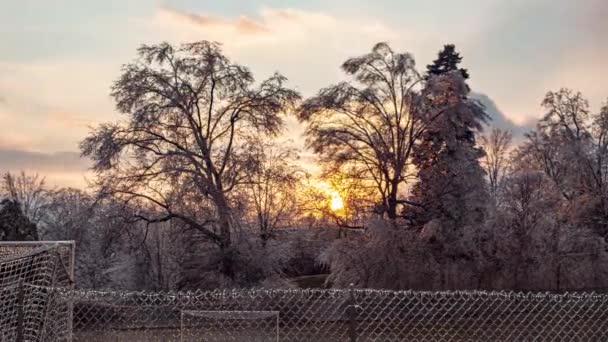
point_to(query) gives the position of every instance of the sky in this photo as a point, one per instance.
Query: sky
(59, 57)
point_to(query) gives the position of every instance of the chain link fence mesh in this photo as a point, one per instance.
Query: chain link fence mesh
(52, 311)
(216, 326)
(337, 315)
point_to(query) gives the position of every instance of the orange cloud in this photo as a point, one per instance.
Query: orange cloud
(242, 24)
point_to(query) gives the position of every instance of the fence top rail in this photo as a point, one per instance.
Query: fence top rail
(88, 294)
(35, 243)
(35, 251)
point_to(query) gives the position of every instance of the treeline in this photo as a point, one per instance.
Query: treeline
(192, 184)
(116, 248)
(460, 209)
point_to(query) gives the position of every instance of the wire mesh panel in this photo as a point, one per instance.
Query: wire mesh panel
(21, 315)
(229, 326)
(481, 316)
(338, 315)
(38, 303)
(9, 299)
(61, 253)
(28, 273)
(311, 315)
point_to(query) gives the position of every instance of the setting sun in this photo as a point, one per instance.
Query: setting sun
(332, 199)
(337, 203)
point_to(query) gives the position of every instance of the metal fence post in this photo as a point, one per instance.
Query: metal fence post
(71, 286)
(351, 310)
(20, 304)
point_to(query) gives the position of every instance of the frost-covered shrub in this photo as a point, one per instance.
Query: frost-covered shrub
(393, 256)
(254, 263)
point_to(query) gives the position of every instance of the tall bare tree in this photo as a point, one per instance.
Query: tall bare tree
(496, 160)
(368, 126)
(562, 142)
(271, 187)
(529, 228)
(570, 145)
(29, 191)
(189, 111)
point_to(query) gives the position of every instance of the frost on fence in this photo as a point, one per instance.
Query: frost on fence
(37, 262)
(234, 326)
(338, 315)
(140, 316)
(37, 305)
(28, 272)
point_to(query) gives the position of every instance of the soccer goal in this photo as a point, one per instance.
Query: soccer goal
(30, 273)
(229, 326)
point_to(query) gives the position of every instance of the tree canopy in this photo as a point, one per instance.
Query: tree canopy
(368, 126)
(447, 61)
(190, 114)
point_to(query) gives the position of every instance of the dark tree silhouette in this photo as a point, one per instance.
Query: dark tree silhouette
(183, 145)
(496, 161)
(367, 128)
(14, 225)
(447, 61)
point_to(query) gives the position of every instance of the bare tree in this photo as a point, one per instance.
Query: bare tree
(68, 215)
(367, 127)
(529, 230)
(188, 113)
(29, 191)
(568, 149)
(496, 160)
(271, 187)
(570, 146)
(562, 143)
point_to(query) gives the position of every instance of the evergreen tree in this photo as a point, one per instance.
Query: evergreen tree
(447, 61)
(451, 185)
(449, 201)
(14, 225)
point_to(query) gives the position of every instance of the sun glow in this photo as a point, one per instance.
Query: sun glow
(337, 203)
(333, 200)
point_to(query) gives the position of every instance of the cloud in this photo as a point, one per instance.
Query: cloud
(585, 70)
(500, 120)
(15, 159)
(307, 46)
(527, 50)
(59, 168)
(242, 24)
(591, 19)
(51, 104)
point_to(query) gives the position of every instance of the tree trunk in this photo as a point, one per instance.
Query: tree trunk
(159, 261)
(391, 210)
(225, 225)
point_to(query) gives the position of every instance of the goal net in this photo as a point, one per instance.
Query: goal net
(30, 272)
(233, 326)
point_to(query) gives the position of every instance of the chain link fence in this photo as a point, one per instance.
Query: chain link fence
(37, 305)
(336, 315)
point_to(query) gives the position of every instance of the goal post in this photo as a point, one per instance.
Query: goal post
(234, 326)
(64, 254)
(30, 274)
